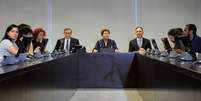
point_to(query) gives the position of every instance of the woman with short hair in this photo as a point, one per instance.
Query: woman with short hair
(105, 42)
(39, 40)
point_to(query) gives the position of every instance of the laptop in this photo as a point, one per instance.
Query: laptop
(153, 41)
(166, 44)
(45, 44)
(107, 50)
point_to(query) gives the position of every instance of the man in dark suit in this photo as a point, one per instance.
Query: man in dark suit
(68, 42)
(140, 43)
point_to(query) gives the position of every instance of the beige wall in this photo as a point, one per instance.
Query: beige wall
(87, 17)
(23, 11)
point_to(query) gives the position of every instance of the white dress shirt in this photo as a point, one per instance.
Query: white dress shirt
(140, 42)
(67, 44)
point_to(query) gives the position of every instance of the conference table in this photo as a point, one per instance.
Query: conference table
(158, 72)
(57, 78)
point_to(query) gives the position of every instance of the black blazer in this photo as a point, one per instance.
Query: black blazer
(60, 44)
(133, 46)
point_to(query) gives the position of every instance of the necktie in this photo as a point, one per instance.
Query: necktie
(67, 44)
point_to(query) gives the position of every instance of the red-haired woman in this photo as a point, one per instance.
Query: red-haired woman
(40, 40)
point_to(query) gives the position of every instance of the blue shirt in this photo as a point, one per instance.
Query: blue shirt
(100, 44)
(196, 44)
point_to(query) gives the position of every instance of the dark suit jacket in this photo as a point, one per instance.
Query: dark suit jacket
(100, 44)
(133, 46)
(60, 44)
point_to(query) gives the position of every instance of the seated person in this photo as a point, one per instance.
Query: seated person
(105, 42)
(190, 31)
(177, 45)
(66, 43)
(180, 42)
(39, 40)
(7, 44)
(24, 40)
(140, 43)
(185, 39)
